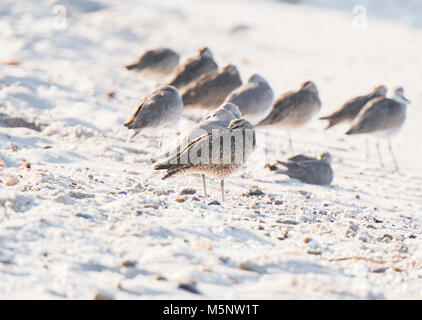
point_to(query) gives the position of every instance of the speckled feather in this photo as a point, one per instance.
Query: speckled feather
(214, 164)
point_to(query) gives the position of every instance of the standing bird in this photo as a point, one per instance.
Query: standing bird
(294, 109)
(156, 63)
(254, 98)
(209, 91)
(215, 153)
(383, 118)
(162, 108)
(351, 108)
(193, 68)
(218, 119)
(306, 169)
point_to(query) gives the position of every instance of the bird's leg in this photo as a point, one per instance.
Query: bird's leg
(222, 189)
(367, 149)
(392, 155)
(290, 141)
(131, 134)
(204, 186)
(379, 154)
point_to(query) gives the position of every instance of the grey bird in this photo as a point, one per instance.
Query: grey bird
(193, 68)
(383, 118)
(348, 111)
(156, 63)
(219, 118)
(209, 91)
(307, 169)
(253, 98)
(162, 108)
(216, 153)
(294, 109)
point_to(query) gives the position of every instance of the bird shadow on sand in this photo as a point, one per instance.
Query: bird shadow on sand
(299, 267)
(240, 235)
(72, 122)
(26, 142)
(33, 100)
(130, 150)
(32, 82)
(18, 203)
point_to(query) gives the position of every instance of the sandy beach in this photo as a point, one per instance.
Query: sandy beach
(83, 215)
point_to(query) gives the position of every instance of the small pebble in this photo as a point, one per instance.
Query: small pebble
(102, 296)
(254, 191)
(128, 264)
(380, 270)
(12, 181)
(188, 191)
(190, 287)
(291, 222)
(306, 239)
(160, 278)
(84, 216)
(181, 199)
(250, 266)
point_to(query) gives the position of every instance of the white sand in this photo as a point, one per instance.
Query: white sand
(91, 201)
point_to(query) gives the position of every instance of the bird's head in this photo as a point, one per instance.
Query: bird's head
(399, 96)
(231, 69)
(232, 108)
(380, 91)
(256, 78)
(205, 52)
(309, 86)
(326, 157)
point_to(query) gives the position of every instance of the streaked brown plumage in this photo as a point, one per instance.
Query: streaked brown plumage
(216, 153)
(217, 119)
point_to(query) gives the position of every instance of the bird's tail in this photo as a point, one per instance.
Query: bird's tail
(163, 166)
(275, 167)
(169, 174)
(128, 124)
(175, 83)
(352, 131)
(331, 121)
(131, 66)
(285, 164)
(262, 123)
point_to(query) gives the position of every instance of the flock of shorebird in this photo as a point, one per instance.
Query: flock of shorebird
(220, 143)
